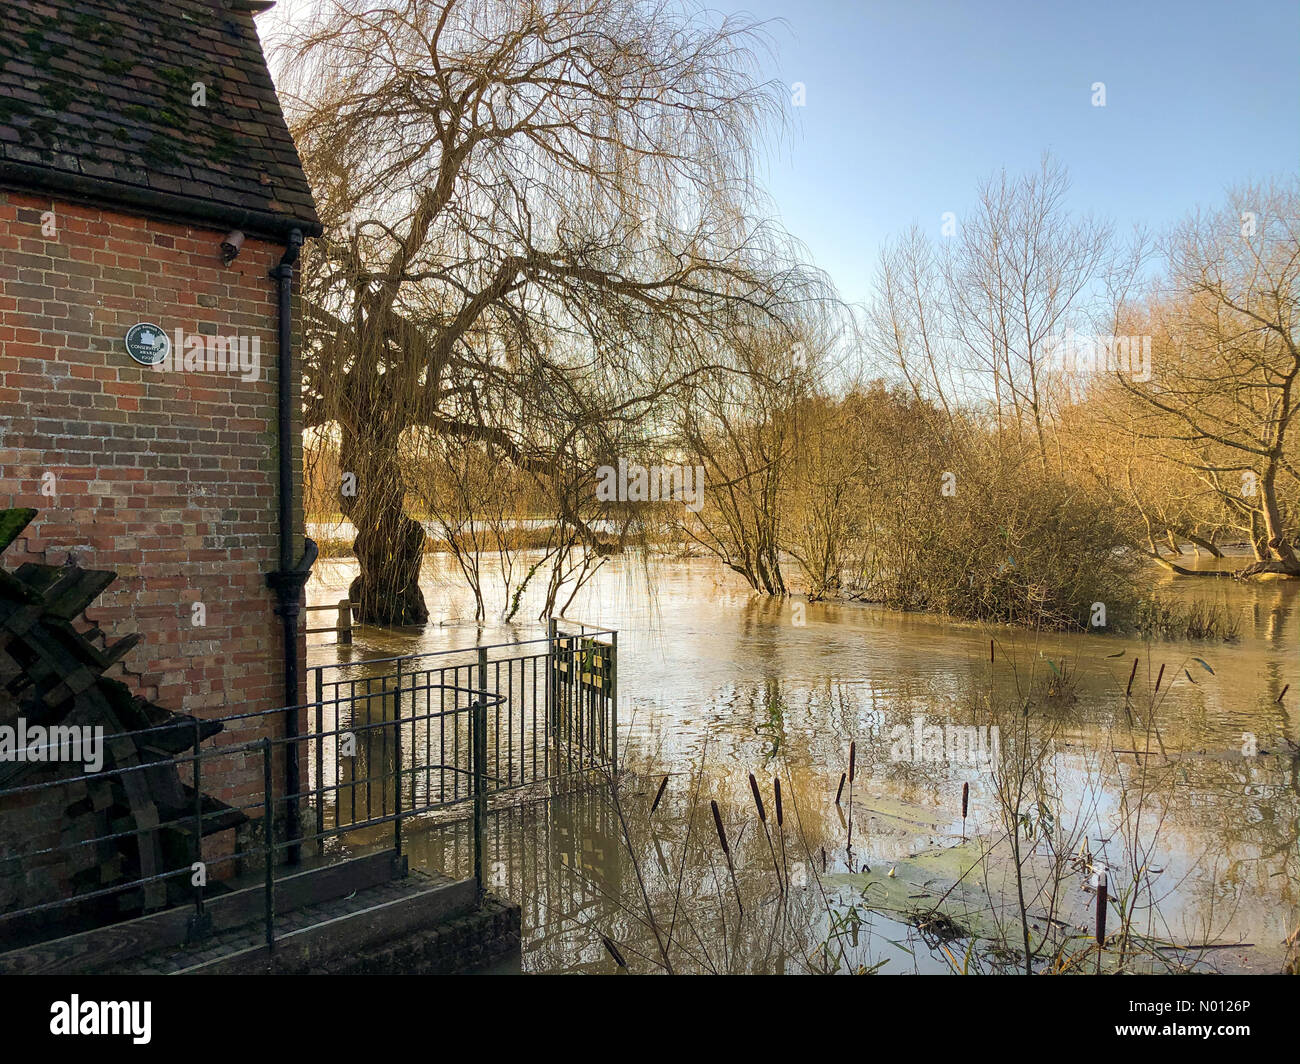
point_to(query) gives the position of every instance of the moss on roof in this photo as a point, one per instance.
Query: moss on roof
(103, 94)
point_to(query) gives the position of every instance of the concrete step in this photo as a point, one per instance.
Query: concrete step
(312, 936)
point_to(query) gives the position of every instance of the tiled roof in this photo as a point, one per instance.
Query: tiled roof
(99, 101)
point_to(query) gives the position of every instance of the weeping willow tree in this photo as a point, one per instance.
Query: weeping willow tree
(540, 216)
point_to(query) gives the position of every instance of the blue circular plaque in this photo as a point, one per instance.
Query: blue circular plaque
(147, 343)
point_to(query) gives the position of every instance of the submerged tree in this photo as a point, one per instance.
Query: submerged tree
(1225, 391)
(539, 218)
(743, 429)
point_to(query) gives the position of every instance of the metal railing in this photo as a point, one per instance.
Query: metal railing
(344, 625)
(167, 851)
(556, 715)
(154, 838)
(392, 739)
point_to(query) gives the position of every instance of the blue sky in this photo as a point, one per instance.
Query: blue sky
(909, 103)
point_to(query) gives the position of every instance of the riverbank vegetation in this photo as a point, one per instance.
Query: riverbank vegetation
(546, 256)
(1055, 413)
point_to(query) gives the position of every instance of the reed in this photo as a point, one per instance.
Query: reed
(726, 852)
(613, 952)
(780, 825)
(853, 757)
(658, 796)
(965, 802)
(1101, 916)
(762, 818)
(1156, 618)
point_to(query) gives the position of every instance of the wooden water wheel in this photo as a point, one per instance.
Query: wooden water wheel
(52, 673)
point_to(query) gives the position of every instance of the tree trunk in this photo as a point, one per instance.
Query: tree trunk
(389, 544)
(769, 563)
(1274, 532)
(390, 552)
(1200, 541)
(1257, 539)
(1270, 571)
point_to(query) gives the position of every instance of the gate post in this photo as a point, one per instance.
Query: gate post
(268, 846)
(483, 693)
(397, 764)
(319, 670)
(613, 702)
(552, 696)
(343, 624)
(478, 744)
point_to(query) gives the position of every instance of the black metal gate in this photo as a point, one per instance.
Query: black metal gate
(584, 696)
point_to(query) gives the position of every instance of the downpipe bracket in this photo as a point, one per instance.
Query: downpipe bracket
(288, 583)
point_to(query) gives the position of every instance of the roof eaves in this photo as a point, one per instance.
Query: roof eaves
(151, 202)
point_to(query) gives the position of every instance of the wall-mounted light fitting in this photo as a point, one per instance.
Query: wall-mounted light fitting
(230, 246)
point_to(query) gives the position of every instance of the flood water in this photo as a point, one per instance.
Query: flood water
(1188, 794)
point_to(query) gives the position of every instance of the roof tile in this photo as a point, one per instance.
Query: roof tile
(101, 89)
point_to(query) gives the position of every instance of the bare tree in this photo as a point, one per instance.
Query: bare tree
(1223, 396)
(538, 214)
(744, 429)
(1019, 277)
(975, 319)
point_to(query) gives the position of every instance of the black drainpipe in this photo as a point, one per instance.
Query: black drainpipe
(288, 580)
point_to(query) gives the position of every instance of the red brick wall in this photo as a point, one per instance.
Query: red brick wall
(168, 478)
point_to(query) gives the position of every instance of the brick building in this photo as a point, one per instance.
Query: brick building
(151, 205)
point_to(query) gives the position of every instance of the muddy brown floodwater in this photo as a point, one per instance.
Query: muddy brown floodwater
(1188, 796)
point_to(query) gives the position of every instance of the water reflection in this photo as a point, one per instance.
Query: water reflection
(717, 684)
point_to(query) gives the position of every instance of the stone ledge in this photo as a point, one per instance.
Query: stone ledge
(487, 936)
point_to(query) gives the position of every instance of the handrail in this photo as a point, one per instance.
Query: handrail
(460, 650)
(527, 707)
(482, 701)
